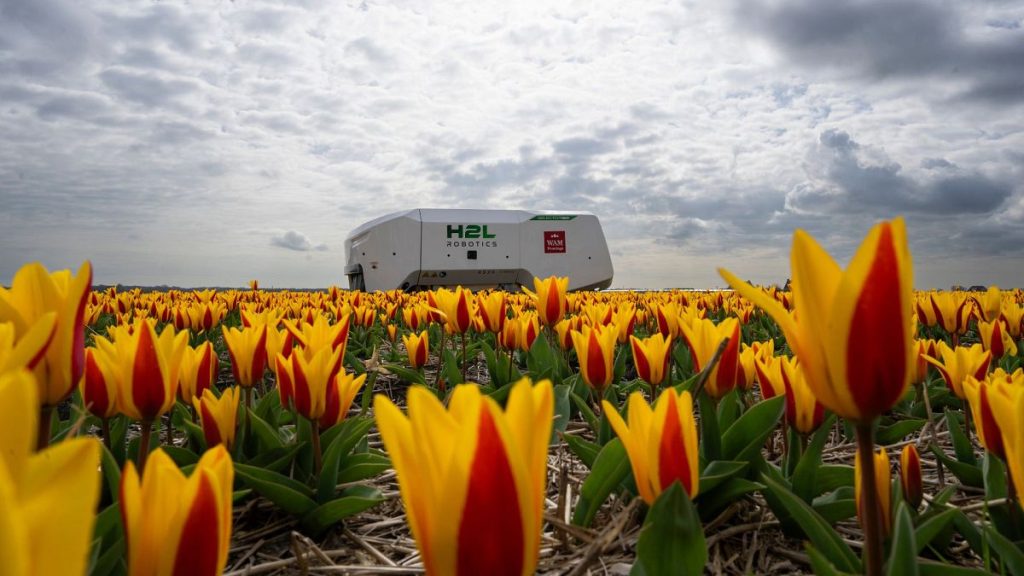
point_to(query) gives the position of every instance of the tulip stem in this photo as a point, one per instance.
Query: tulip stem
(147, 428)
(439, 382)
(870, 507)
(463, 356)
(318, 463)
(105, 423)
(45, 418)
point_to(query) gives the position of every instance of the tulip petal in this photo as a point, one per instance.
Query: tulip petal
(14, 539)
(871, 350)
(60, 528)
(491, 538)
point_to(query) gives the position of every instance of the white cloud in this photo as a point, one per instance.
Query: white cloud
(160, 139)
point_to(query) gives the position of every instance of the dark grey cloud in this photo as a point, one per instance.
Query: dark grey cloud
(896, 38)
(846, 178)
(297, 241)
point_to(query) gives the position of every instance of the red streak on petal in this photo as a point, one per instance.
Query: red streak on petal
(78, 345)
(993, 435)
(95, 391)
(300, 389)
(491, 530)
(205, 371)
(728, 364)
(421, 353)
(197, 553)
(284, 385)
(595, 363)
(148, 391)
(876, 358)
(643, 367)
(211, 429)
(553, 306)
(673, 462)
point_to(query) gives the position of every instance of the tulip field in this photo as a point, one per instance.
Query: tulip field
(848, 425)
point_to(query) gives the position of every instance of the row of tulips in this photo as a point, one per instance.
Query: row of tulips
(853, 354)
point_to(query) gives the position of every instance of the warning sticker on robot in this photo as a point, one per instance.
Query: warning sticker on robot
(554, 242)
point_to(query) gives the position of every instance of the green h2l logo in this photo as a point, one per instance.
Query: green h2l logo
(469, 231)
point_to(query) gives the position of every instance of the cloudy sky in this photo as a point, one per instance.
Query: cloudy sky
(207, 143)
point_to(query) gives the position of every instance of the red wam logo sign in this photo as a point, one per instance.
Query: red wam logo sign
(554, 242)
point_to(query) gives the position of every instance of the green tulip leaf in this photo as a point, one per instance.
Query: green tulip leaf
(291, 496)
(351, 431)
(351, 502)
(816, 528)
(611, 467)
(903, 553)
(748, 434)
(672, 538)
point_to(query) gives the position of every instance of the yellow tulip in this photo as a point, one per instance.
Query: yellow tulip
(996, 339)
(35, 292)
(990, 303)
(550, 298)
(418, 349)
(48, 499)
(982, 395)
(99, 384)
(595, 349)
(952, 311)
(457, 307)
(491, 310)
(746, 373)
(883, 483)
(1014, 316)
(852, 336)
(661, 443)
(310, 379)
(651, 357)
(341, 392)
(703, 338)
(218, 416)
(473, 494)
(147, 369)
(174, 524)
(957, 363)
(198, 371)
(248, 351)
(1007, 416)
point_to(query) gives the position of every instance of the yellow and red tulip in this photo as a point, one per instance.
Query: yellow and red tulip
(982, 395)
(457, 308)
(99, 384)
(852, 337)
(34, 293)
(922, 349)
(392, 331)
(550, 295)
(746, 373)
(198, 371)
(952, 311)
(703, 338)
(218, 416)
(48, 499)
(418, 349)
(883, 484)
(651, 358)
(174, 524)
(1007, 416)
(1014, 316)
(309, 379)
(529, 329)
(996, 339)
(910, 476)
(148, 366)
(341, 392)
(491, 310)
(595, 349)
(783, 376)
(474, 494)
(957, 363)
(989, 304)
(661, 443)
(248, 350)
